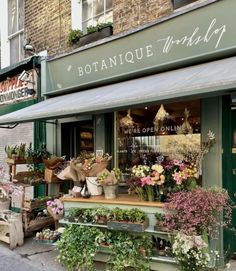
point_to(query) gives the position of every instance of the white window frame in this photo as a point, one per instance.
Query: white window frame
(76, 14)
(17, 33)
(5, 44)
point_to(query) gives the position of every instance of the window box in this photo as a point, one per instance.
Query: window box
(181, 3)
(91, 37)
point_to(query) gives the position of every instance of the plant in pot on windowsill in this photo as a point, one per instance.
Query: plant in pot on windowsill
(94, 33)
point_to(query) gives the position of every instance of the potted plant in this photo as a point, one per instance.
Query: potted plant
(129, 220)
(159, 222)
(74, 36)
(109, 183)
(100, 215)
(74, 214)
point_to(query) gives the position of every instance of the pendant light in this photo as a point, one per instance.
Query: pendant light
(127, 121)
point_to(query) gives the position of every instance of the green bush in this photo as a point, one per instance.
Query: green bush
(74, 36)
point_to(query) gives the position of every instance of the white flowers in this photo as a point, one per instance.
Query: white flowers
(190, 252)
(140, 170)
(158, 168)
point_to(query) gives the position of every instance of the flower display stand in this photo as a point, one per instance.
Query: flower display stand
(11, 229)
(158, 263)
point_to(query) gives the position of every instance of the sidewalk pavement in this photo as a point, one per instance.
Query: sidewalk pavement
(29, 257)
(34, 256)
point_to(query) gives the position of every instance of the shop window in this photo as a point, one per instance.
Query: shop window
(16, 29)
(95, 12)
(147, 135)
(181, 3)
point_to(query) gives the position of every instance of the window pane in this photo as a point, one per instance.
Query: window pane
(87, 9)
(12, 16)
(21, 49)
(108, 4)
(144, 138)
(109, 16)
(99, 19)
(85, 25)
(14, 49)
(21, 14)
(98, 7)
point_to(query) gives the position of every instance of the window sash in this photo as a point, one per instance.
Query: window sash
(94, 16)
(16, 30)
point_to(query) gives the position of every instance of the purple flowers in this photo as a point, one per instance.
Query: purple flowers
(56, 206)
(197, 211)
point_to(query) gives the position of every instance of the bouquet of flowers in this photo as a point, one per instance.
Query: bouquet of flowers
(179, 175)
(147, 181)
(191, 252)
(55, 208)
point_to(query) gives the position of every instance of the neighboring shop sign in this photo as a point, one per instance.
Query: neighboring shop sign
(15, 88)
(204, 33)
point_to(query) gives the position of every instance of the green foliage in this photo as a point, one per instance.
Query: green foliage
(129, 250)
(132, 215)
(159, 217)
(16, 151)
(35, 156)
(98, 27)
(77, 247)
(74, 36)
(74, 213)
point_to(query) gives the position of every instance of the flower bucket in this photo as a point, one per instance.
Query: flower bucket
(93, 186)
(4, 205)
(110, 191)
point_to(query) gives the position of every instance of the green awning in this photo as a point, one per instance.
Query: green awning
(196, 81)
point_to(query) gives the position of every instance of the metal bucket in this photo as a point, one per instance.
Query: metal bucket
(110, 191)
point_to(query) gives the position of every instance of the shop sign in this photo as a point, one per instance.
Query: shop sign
(202, 34)
(13, 90)
(151, 130)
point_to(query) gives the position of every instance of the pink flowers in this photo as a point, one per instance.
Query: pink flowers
(197, 211)
(147, 181)
(56, 206)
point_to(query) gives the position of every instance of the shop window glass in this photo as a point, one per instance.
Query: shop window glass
(95, 12)
(15, 29)
(181, 3)
(148, 134)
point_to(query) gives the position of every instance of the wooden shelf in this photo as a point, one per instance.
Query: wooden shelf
(121, 199)
(15, 162)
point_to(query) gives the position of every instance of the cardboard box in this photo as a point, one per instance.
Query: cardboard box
(49, 176)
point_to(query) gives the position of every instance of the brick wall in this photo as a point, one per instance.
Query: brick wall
(23, 133)
(128, 14)
(47, 23)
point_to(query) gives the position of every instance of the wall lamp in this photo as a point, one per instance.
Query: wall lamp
(25, 77)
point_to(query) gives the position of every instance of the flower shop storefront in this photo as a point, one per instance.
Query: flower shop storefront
(154, 99)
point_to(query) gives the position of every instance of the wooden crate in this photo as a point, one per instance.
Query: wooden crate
(11, 231)
(127, 226)
(31, 225)
(35, 203)
(49, 176)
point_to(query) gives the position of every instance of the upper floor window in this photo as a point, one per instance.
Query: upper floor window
(16, 29)
(180, 3)
(95, 12)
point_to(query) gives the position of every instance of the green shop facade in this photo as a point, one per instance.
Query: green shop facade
(20, 88)
(185, 62)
